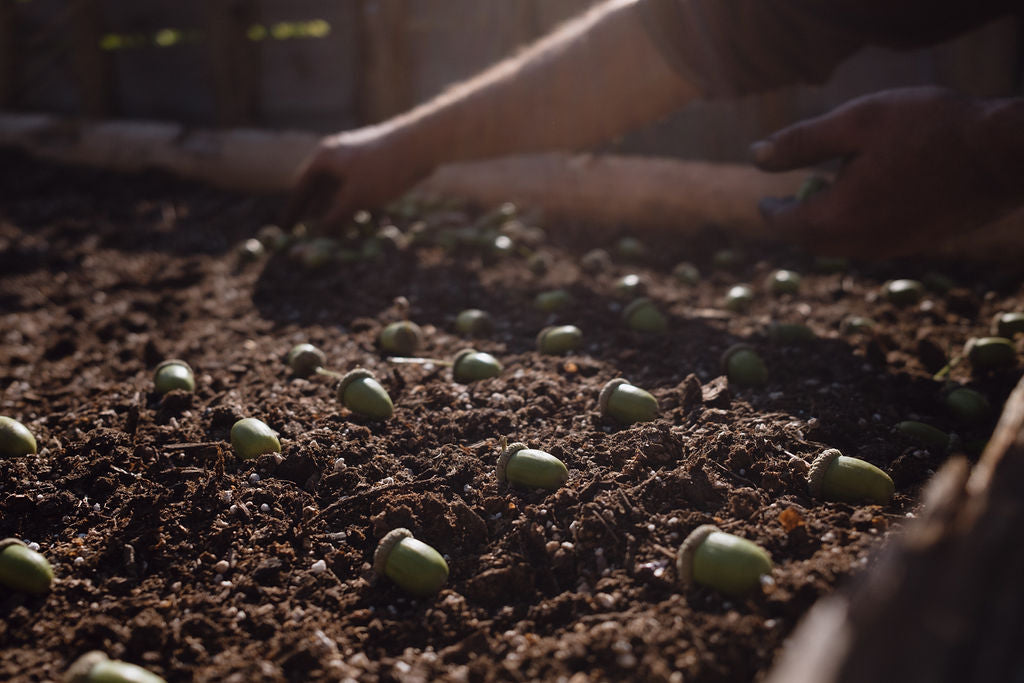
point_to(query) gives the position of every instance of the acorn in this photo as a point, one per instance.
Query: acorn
(23, 569)
(643, 316)
(743, 366)
(96, 667)
(938, 283)
(251, 438)
(630, 249)
(789, 333)
(251, 250)
(927, 435)
(1008, 324)
(903, 292)
(360, 392)
(739, 298)
(305, 359)
(15, 438)
(595, 261)
(727, 259)
(626, 403)
(856, 324)
(553, 300)
(272, 237)
(413, 565)
(558, 339)
(784, 282)
(173, 374)
(473, 321)
(727, 563)
(834, 476)
(687, 273)
(831, 264)
(401, 338)
(991, 353)
(967, 405)
(629, 286)
(470, 365)
(519, 465)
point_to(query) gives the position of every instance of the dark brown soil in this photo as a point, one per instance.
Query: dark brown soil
(173, 554)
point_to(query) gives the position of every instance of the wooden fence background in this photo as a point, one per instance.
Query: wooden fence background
(332, 64)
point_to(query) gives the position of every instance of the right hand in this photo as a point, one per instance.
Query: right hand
(358, 169)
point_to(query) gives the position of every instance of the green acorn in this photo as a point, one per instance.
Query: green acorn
(552, 301)
(811, 186)
(687, 273)
(856, 324)
(1008, 324)
(834, 476)
(643, 316)
(470, 365)
(596, 261)
(305, 359)
(631, 249)
(727, 563)
(629, 286)
(530, 468)
(23, 569)
(251, 250)
(251, 438)
(784, 282)
(272, 237)
(96, 667)
(173, 374)
(927, 435)
(401, 338)
(626, 403)
(413, 565)
(789, 333)
(473, 321)
(15, 439)
(360, 392)
(743, 366)
(938, 283)
(558, 339)
(967, 405)
(739, 298)
(991, 353)
(903, 292)
(727, 259)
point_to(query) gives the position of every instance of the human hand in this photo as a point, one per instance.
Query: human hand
(353, 170)
(916, 167)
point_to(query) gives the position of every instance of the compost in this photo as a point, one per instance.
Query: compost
(174, 554)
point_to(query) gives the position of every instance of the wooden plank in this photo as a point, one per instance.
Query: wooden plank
(8, 53)
(233, 59)
(43, 79)
(90, 65)
(384, 83)
(132, 16)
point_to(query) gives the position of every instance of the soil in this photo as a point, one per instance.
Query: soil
(172, 553)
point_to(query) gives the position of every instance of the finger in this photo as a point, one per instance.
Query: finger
(311, 195)
(339, 212)
(808, 142)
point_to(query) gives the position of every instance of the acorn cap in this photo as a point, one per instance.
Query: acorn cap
(684, 558)
(390, 540)
(462, 354)
(83, 666)
(607, 391)
(172, 361)
(816, 475)
(505, 456)
(8, 542)
(352, 376)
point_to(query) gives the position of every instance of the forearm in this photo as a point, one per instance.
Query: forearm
(594, 78)
(1001, 146)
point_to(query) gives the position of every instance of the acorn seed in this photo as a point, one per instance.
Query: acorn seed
(903, 292)
(552, 301)
(23, 569)
(789, 333)
(687, 273)
(967, 405)
(96, 667)
(739, 298)
(15, 438)
(743, 366)
(413, 565)
(727, 563)
(519, 465)
(173, 374)
(558, 339)
(629, 286)
(360, 392)
(251, 437)
(643, 316)
(727, 259)
(784, 282)
(857, 324)
(627, 403)
(631, 249)
(1008, 325)
(470, 365)
(929, 436)
(473, 321)
(991, 353)
(305, 359)
(401, 338)
(834, 476)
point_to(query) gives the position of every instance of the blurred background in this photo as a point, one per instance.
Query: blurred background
(327, 65)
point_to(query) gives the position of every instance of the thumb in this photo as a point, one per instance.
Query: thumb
(808, 142)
